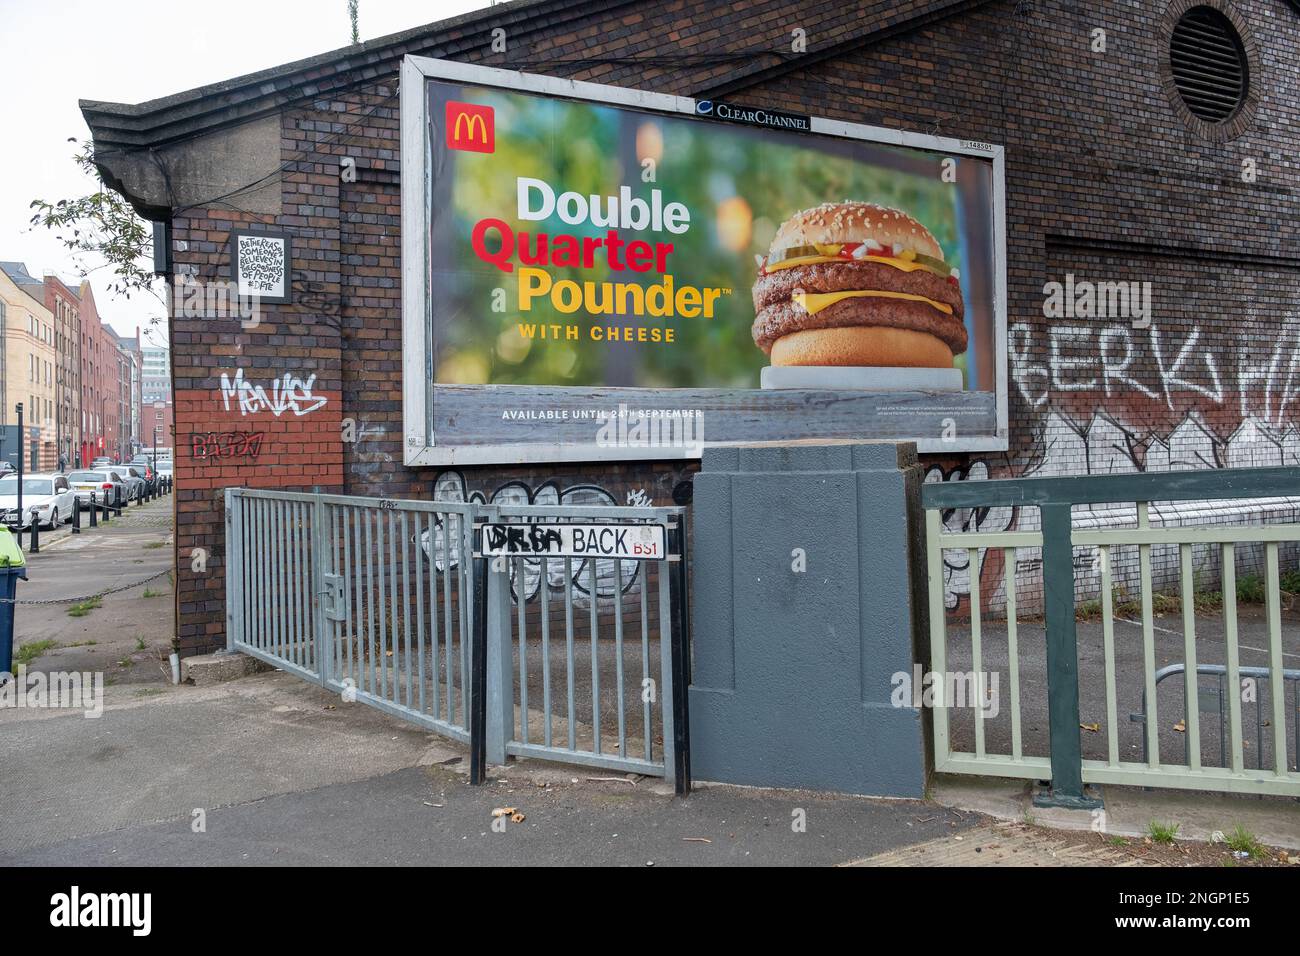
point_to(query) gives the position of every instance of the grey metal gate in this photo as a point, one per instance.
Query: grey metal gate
(583, 659)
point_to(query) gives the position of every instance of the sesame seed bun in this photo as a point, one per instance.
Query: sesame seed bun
(849, 221)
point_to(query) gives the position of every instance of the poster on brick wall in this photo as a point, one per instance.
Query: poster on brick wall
(594, 272)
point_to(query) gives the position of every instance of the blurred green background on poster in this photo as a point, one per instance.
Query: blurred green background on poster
(739, 184)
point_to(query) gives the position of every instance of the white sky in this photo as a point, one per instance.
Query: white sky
(55, 52)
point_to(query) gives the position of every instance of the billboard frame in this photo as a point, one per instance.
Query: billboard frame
(422, 450)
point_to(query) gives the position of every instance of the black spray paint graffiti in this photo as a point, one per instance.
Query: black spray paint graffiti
(221, 445)
(957, 572)
(450, 486)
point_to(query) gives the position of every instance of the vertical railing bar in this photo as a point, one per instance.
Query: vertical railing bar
(545, 609)
(286, 585)
(466, 569)
(372, 678)
(349, 591)
(1108, 640)
(595, 661)
(295, 584)
(938, 635)
(406, 607)
(618, 653)
(1191, 681)
(435, 683)
(1013, 649)
(521, 594)
(336, 627)
(449, 664)
(1277, 679)
(643, 579)
(418, 544)
(257, 598)
(385, 605)
(394, 654)
(665, 696)
(1228, 577)
(1148, 641)
(282, 631)
(976, 651)
(301, 588)
(568, 641)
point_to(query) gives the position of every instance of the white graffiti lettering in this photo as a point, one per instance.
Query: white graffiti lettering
(289, 393)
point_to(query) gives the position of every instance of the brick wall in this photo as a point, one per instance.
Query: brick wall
(1105, 180)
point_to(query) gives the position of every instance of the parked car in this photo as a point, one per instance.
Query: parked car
(6, 468)
(101, 462)
(100, 481)
(51, 495)
(133, 478)
(146, 471)
(165, 468)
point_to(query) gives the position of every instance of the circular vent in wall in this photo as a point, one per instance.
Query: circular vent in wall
(1209, 64)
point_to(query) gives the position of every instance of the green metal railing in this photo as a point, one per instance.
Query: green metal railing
(1054, 497)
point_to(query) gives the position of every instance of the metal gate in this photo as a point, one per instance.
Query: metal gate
(391, 603)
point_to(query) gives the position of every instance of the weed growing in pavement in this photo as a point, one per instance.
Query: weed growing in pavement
(1242, 840)
(1162, 832)
(29, 652)
(85, 607)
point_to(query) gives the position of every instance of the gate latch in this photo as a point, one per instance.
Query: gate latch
(335, 598)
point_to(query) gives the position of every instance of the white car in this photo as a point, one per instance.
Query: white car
(51, 495)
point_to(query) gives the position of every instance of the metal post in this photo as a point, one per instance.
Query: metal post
(477, 716)
(36, 532)
(94, 510)
(107, 508)
(1062, 665)
(321, 554)
(76, 515)
(680, 641)
(500, 725)
(22, 450)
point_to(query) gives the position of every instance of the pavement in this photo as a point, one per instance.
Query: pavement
(287, 773)
(128, 636)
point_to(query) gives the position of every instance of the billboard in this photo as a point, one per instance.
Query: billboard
(594, 272)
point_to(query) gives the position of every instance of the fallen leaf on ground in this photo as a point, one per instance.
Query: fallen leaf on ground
(1091, 728)
(1181, 727)
(503, 811)
(696, 840)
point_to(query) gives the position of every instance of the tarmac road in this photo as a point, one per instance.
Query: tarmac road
(1031, 639)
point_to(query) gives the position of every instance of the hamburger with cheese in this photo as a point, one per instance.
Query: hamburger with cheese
(857, 284)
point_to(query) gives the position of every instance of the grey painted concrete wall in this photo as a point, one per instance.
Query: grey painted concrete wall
(792, 671)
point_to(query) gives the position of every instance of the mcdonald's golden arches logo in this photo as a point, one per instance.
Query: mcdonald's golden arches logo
(470, 127)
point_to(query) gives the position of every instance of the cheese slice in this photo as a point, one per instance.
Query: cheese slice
(814, 302)
(902, 265)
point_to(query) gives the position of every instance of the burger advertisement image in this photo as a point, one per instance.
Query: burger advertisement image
(592, 272)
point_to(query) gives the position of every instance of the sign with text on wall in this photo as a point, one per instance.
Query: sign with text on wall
(596, 273)
(632, 541)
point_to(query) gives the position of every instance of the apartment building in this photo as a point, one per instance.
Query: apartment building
(28, 363)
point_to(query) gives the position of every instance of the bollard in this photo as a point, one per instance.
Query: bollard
(76, 515)
(108, 514)
(35, 547)
(94, 510)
